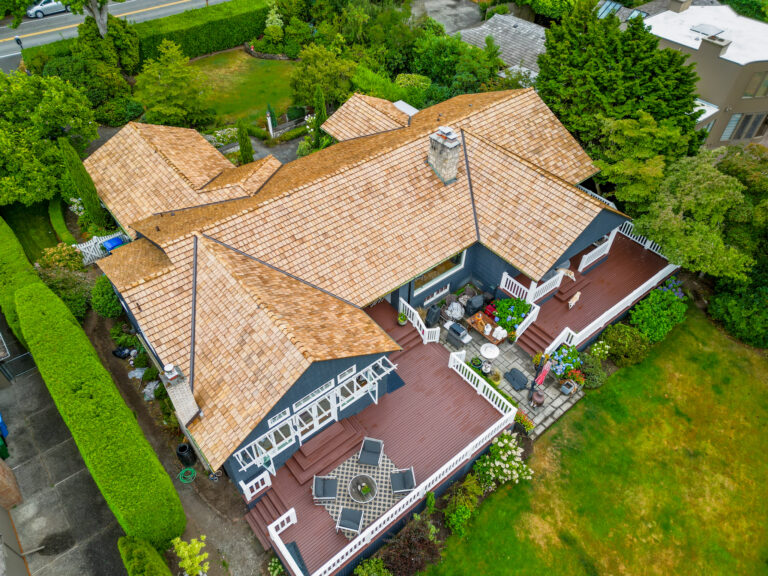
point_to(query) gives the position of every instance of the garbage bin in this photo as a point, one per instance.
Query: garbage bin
(3, 449)
(185, 454)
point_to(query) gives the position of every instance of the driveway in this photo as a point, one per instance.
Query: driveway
(453, 14)
(62, 511)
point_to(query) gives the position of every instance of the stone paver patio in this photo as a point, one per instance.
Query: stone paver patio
(512, 356)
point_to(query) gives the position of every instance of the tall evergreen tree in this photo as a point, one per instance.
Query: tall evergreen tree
(244, 140)
(321, 114)
(82, 184)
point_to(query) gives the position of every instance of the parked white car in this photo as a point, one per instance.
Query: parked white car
(46, 7)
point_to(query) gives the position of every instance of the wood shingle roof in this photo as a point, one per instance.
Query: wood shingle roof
(363, 115)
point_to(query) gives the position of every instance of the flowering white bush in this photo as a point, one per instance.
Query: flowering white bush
(224, 136)
(310, 120)
(599, 350)
(503, 464)
(76, 206)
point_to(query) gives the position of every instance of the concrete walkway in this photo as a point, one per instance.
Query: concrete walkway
(63, 510)
(454, 15)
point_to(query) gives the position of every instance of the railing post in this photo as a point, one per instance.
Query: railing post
(531, 293)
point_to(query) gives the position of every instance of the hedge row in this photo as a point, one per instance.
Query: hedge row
(125, 468)
(140, 558)
(15, 272)
(56, 216)
(198, 32)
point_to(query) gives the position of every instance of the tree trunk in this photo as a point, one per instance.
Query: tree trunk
(97, 9)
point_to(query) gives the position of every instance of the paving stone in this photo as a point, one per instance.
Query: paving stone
(48, 428)
(32, 477)
(63, 461)
(31, 394)
(40, 521)
(99, 552)
(83, 504)
(21, 446)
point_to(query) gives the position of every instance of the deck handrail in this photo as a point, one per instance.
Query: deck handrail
(254, 487)
(596, 195)
(381, 524)
(530, 319)
(427, 334)
(628, 229)
(457, 364)
(512, 286)
(571, 338)
(551, 284)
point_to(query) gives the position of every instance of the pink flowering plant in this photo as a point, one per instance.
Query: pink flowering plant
(503, 464)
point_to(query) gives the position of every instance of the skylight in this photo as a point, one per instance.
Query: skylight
(707, 29)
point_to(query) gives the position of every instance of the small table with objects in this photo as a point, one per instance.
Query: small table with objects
(357, 488)
(479, 321)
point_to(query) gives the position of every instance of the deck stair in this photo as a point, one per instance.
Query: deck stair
(534, 339)
(568, 288)
(326, 451)
(263, 513)
(408, 342)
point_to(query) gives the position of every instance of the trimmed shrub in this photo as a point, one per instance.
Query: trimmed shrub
(592, 369)
(56, 216)
(104, 300)
(744, 314)
(412, 549)
(99, 81)
(140, 558)
(15, 272)
(628, 345)
(72, 286)
(125, 468)
(372, 567)
(660, 311)
(62, 256)
(119, 111)
(244, 140)
(82, 184)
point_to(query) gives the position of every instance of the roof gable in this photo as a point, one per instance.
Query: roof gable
(363, 115)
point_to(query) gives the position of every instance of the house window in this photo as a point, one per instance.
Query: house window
(347, 373)
(637, 13)
(312, 395)
(732, 123)
(708, 127)
(277, 418)
(608, 8)
(439, 272)
(757, 87)
(746, 127)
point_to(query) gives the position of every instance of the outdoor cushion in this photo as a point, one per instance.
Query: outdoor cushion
(370, 453)
(350, 519)
(402, 480)
(325, 487)
(517, 379)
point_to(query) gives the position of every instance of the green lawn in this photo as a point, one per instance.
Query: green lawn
(31, 226)
(242, 86)
(661, 471)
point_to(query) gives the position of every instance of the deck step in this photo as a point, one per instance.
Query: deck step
(266, 511)
(569, 288)
(534, 339)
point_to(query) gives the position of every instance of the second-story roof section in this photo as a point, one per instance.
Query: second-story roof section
(146, 169)
(747, 39)
(363, 115)
(520, 41)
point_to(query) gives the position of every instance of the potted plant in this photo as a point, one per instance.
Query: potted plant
(365, 489)
(402, 319)
(476, 362)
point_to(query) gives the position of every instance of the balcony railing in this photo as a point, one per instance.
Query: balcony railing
(427, 334)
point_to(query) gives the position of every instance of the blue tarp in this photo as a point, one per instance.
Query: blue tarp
(112, 243)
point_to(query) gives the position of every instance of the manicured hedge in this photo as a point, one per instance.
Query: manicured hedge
(15, 272)
(56, 215)
(198, 32)
(125, 468)
(141, 559)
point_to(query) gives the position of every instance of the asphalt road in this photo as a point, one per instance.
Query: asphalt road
(34, 32)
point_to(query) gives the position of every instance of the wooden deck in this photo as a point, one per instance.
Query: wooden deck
(423, 424)
(627, 266)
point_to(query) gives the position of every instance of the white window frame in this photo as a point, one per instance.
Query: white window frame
(347, 374)
(730, 128)
(443, 276)
(277, 418)
(299, 404)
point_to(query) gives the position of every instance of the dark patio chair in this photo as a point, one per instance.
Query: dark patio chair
(324, 489)
(350, 520)
(403, 481)
(371, 452)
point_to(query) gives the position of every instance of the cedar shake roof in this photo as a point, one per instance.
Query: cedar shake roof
(146, 169)
(135, 262)
(363, 115)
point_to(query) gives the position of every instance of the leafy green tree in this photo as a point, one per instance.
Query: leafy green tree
(82, 184)
(319, 66)
(757, 9)
(554, 9)
(244, 140)
(104, 300)
(689, 214)
(321, 115)
(172, 92)
(297, 35)
(741, 306)
(34, 112)
(593, 70)
(632, 156)
(96, 9)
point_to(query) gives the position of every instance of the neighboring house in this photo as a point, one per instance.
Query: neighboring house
(273, 304)
(520, 41)
(731, 57)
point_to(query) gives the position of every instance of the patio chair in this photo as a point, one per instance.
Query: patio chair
(371, 452)
(350, 520)
(403, 481)
(324, 489)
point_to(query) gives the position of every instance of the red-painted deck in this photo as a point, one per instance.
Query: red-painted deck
(626, 267)
(423, 424)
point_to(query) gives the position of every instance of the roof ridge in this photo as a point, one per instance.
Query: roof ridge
(545, 172)
(135, 126)
(276, 318)
(386, 113)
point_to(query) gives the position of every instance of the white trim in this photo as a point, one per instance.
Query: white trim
(344, 376)
(278, 418)
(300, 404)
(427, 334)
(437, 294)
(443, 276)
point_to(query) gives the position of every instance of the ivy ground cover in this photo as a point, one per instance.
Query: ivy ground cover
(242, 86)
(660, 471)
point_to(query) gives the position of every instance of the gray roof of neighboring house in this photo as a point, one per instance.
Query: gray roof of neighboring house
(651, 8)
(520, 41)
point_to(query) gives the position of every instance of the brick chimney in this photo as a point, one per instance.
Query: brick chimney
(679, 5)
(443, 155)
(714, 46)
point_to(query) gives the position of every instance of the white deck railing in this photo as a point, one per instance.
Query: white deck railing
(257, 485)
(571, 338)
(628, 229)
(591, 257)
(381, 524)
(427, 334)
(530, 319)
(457, 364)
(547, 287)
(596, 195)
(512, 286)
